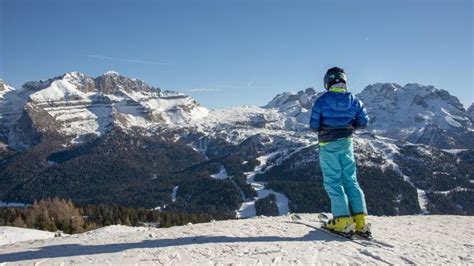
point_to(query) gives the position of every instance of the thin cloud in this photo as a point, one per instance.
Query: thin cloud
(126, 60)
(249, 84)
(204, 90)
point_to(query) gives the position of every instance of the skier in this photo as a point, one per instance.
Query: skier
(335, 116)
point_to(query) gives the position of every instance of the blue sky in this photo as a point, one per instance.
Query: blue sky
(227, 53)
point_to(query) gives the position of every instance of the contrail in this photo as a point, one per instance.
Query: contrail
(203, 90)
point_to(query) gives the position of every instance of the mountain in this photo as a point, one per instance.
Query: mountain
(418, 114)
(79, 107)
(116, 140)
(414, 113)
(4, 88)
(401, 240)
(295, 105)
(12, 102)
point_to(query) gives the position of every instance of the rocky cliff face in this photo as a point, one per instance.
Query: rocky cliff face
(12, 102)
(78, 107)
(419, 114)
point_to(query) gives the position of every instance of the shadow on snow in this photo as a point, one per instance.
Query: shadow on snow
(69, 250)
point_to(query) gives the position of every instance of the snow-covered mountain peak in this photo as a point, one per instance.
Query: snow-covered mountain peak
(58, 90)
(431, 93)
(3, 85)
(414, 92)
(112, 82)
(381, 90)
(304, 98)
(295, 107)
(74, 75)
(408, 112)
(4, 88)
(112, 73)
(77, 105)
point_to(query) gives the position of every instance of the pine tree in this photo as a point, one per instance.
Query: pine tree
(19, 222)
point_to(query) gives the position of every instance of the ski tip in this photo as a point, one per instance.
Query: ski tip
(323, 216)
(365, 235)
(295, 217)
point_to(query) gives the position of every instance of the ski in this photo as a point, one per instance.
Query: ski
(361, 240)
(298, 219)
(354, 238)
(324, 218)
(366, 236)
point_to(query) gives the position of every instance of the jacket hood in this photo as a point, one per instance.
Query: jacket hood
(340, 101)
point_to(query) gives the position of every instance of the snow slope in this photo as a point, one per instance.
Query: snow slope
(11, 235)
(259, 241)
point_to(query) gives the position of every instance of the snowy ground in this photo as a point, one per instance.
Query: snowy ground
(442, 240)
(9, 235)
(12, 204)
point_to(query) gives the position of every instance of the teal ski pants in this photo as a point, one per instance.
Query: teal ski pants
(340, 178)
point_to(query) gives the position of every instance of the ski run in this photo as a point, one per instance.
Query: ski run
(432, 239)
(247, 209)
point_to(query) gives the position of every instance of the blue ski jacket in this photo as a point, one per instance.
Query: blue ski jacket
(336, 114)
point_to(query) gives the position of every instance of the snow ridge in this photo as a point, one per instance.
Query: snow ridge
(406, 112)
(81, 105)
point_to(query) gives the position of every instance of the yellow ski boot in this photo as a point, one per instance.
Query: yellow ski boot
(343, 225)
(362, 228)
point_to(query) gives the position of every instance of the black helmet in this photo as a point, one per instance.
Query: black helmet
(333, 76)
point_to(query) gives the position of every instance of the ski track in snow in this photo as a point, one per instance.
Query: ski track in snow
(173, 193)
(247, 209)
(422, 198)
(441, 240)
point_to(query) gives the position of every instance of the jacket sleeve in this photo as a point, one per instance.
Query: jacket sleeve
(315, 120)
(362, 118)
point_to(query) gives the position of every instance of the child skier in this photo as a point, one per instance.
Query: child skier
(335, 116)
